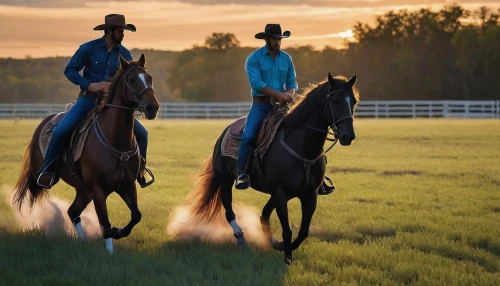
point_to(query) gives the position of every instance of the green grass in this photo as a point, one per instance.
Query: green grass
(417, 202)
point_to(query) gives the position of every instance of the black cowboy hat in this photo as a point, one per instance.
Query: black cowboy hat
(115, 21)
(273, 30)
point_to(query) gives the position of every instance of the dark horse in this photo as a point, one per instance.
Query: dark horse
(294, 165)
(109, 160)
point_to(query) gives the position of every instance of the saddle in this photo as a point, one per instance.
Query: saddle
(78, 136)
(73, 149)
(267, 133)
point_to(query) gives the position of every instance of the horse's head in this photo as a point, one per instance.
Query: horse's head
(338, 110)
(138, 87)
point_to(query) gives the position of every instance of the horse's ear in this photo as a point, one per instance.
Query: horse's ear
(142, 60)
(331, 81)
(352, 80)
(125, 65)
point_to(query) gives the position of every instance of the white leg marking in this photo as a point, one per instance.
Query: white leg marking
(79, 230)
(109, 245)
(235, 226)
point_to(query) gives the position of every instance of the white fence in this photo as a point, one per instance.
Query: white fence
(374, 109)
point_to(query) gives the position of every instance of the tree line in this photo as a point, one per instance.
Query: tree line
(453, 53)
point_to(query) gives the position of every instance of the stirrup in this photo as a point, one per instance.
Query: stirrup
(241, 184)
(327, 187)
(52, 177)
(142, 179)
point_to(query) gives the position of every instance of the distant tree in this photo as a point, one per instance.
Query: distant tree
(221, 41)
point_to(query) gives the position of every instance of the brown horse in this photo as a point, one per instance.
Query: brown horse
(110, 158)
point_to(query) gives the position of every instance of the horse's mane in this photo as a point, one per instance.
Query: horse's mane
(111, 91)
(310, 101)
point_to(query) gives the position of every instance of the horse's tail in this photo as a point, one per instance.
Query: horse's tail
(206, 198)
(26, 181)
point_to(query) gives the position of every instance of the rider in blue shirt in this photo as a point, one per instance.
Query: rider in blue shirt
(99, 60)
(271, 75)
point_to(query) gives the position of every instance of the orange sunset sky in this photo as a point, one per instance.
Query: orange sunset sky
(57, 27)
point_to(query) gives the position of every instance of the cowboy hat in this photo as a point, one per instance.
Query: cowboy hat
(115, 21)
(273, 30)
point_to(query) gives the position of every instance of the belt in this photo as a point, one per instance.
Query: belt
(266, 99)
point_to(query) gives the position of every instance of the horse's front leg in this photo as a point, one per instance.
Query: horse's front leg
(266, 224)
(101, 209)
(308, 205)
(129, 196)
(280, 201)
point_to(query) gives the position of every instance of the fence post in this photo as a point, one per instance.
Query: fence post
(413, 107)
(496, 109)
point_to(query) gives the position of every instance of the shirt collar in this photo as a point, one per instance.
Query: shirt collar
(266, 51)
(102, 44)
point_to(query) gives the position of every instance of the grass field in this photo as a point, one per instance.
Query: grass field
(417, 202)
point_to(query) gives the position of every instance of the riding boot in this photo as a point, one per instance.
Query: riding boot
(242, 182)
(46, 177)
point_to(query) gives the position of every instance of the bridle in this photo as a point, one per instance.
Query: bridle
(332, 128)
(124, 157)
(308, 163)
(137, 95)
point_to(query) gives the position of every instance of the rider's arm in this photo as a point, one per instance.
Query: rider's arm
(75, 65)
(255, 79)
(291, 80)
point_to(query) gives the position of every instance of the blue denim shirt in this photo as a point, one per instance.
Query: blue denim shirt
(100, 65)
(262, 70)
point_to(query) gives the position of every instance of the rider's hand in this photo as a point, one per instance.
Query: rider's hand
(99, 87)
(286, 97)
(106, 86)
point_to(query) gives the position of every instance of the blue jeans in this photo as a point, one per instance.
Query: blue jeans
(75, 115)
(255, 117)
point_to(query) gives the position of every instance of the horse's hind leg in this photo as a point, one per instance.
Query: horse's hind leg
(226, 189)
(82, 199)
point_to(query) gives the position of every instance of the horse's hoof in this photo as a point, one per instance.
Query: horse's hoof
(277, 245)
(288, 260)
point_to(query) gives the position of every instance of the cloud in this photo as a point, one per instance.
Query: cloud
(312, 3)
(50, 31)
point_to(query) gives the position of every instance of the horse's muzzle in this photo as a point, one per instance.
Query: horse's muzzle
(151, 111)
(347, 138)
